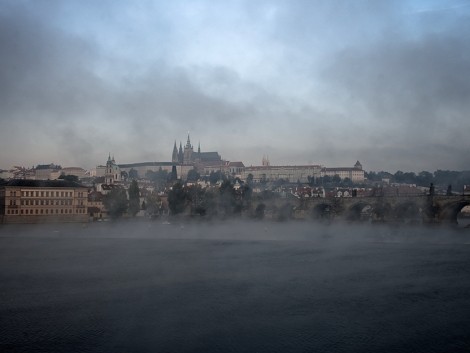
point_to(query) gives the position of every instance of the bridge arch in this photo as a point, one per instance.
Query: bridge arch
(322, 210)
(449, 212)
(359, 211)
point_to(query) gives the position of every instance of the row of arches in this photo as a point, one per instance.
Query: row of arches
(408, 211)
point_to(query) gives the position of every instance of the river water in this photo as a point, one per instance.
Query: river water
(234, 287)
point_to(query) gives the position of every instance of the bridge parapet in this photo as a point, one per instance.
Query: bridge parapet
(435, 208)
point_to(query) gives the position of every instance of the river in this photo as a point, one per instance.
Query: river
(234, 287)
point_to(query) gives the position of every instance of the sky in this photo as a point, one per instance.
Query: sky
(322, 82)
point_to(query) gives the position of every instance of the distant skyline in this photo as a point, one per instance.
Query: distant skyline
(321, 82)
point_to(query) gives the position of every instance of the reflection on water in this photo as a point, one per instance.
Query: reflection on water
(463, 221)
(233, 287)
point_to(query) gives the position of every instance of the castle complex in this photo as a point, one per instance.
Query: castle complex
(188, 156)
(183, 159)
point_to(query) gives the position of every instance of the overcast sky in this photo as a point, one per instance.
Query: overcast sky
(323, 82)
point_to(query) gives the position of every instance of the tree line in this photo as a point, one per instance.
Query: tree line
(441, 178)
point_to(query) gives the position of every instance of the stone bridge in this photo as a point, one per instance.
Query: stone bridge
(426, 208)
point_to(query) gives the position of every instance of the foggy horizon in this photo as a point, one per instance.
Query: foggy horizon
(322, 82)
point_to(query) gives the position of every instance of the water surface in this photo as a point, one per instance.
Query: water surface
(234, 287)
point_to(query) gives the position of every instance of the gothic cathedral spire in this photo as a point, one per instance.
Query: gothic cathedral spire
(174, 157)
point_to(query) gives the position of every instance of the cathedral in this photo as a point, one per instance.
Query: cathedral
(187, 155)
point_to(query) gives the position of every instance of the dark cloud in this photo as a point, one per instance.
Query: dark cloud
(80, 80)
(415, 93)
(50, 88)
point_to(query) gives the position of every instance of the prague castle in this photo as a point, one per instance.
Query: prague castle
(189, 157)
(184, 159)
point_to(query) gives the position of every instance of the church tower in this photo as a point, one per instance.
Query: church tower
(180, 154)
(174, 156)
(188, 151)
(113, 173)
(265, 161)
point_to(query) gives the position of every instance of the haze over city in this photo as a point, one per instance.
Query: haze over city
(324, 82)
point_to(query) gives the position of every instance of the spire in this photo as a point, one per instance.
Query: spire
(188, 143)
(109, 157)
(199, 147)
(174, 156)
(180, 153)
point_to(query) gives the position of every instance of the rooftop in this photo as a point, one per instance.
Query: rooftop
(42, 183)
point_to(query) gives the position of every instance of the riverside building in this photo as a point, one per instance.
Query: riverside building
(42, 201)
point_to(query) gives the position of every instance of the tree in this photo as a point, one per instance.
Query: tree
(336, 179)
(153, 204)
(174, 174)
(214, 177)
(124, 175)
(424, 178)
(159, 178)
(116, 203)
(133, 174)
(134, 198)
(73, 178)
(227, 196)
(193, 175)
(326, 179)
(177, 198)
(195, 196)
(449, 190)
(347, 182)
(249, 179)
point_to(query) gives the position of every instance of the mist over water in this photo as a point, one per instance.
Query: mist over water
(234, 287)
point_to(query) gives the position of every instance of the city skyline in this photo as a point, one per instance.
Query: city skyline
(322, 82)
